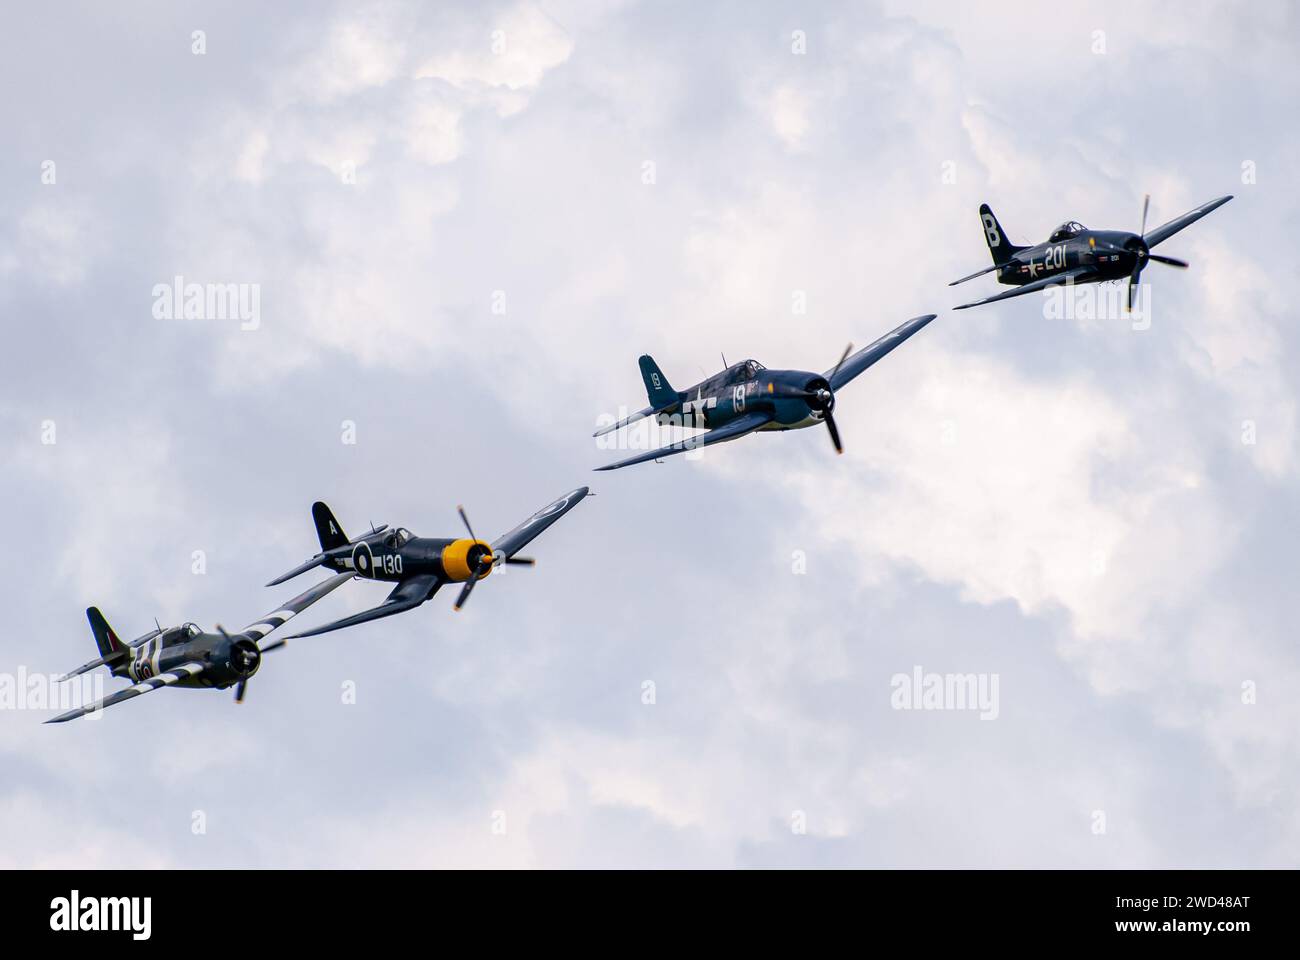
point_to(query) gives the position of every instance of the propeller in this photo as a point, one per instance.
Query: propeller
(1142, 253)
(485, 562)
(843, 357)
(242, 660)
(827, 402)
(821, 398)
(835, 432)
(1169, 261)
(1138, 247)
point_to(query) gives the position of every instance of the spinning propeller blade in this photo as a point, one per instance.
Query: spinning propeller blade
(243, 684)
(480, 568)
(465, 520)
(484, 564)
(845, 356)
(835, 432)
(1168, 261)
(1140, 253)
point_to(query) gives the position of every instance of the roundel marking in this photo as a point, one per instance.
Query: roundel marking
(363, 561)
(554, 508)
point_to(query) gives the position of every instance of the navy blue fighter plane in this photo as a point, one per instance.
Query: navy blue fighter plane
(419, 566)
(1075, 254)
(747, 397)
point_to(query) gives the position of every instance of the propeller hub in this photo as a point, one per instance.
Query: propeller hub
(819, 396)
(1138, 249)
(245, 658)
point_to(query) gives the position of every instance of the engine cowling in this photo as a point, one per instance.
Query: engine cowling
(245, 658)
(461, 557)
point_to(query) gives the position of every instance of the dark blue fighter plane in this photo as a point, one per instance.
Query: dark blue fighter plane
(1075, 254)
(419, 566)
(747, 397)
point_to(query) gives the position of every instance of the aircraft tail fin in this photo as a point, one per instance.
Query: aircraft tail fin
(656, 384)
(1000, 247)
(105, 638)
(328, 529)
(113, 653)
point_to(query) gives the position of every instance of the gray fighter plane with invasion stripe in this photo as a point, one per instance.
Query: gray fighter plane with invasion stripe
(186, 656)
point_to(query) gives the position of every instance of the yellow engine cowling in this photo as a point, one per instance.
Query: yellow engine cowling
(461, 556)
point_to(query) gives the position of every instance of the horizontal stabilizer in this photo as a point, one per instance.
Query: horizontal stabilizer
(977, 273)
(100, 662)
(670, 407)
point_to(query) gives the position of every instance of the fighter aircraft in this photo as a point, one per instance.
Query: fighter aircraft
(419, 565)
(747, 397)
(1075, 254)
(185, 656)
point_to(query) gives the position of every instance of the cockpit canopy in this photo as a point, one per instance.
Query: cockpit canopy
(186, 631)
(745, 370)
(399, 537)
(1071, 228)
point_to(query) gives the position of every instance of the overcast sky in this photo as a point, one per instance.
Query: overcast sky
(464, 223)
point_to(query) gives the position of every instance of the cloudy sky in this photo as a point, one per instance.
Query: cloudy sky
(464, 223)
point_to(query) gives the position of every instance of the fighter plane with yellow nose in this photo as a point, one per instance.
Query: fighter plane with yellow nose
(419, 565)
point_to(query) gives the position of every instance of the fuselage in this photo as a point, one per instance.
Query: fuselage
(1107, 254)
(397, 555)
(747, 387)
(226, 660)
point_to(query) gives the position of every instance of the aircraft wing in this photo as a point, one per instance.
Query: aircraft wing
(1073, 275)
(746, 423)
(131, 692)
(1162, 233)
(407, 595)
(865, 357)
(257, 630)
(511, 543)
